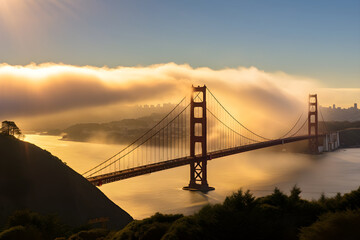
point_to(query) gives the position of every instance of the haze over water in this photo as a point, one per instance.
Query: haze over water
(260, 171)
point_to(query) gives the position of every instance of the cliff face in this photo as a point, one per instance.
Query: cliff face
(32, 178)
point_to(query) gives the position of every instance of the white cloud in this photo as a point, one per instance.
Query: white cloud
(52, 89)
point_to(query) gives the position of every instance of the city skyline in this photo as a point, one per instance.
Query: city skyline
(334, 106)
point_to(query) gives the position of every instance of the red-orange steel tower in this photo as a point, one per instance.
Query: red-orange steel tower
(198, 141)
(313, 123)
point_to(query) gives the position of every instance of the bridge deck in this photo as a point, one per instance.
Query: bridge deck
(146, 169)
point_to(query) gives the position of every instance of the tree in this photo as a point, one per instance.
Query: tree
(334, 225)
(10, 128)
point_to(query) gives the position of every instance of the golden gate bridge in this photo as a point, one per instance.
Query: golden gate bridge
(198, 129)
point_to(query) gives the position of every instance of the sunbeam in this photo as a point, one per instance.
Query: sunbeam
(27, 18)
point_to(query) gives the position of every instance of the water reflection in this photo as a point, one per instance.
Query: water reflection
(260, 171)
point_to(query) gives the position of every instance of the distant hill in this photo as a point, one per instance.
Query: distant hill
(350, 138)
(349, 132)
(31, 178)
(338, 126)
(119, 132)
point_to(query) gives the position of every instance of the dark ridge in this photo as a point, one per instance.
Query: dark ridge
(31, 178)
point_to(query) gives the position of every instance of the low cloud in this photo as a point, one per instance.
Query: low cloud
(50, 89)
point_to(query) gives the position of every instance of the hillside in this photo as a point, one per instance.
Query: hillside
(350, 138)
(337, 126)
(119, 132)
(31, 178)
(349, 132)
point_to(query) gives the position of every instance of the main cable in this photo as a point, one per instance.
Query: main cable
(136, 139)
(234, 117)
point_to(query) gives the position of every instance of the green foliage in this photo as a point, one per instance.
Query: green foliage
(92, 234)
(295, 193)
(337, 126)
(239, 200)
(276, 216)
(350, 137)
(241, 216)
(186, 228)
(21, 232)
(343, 225)
(278, 198)
(48, 227)
(10, 128)
(347, 201)
(149, 228)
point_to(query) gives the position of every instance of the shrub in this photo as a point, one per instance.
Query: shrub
(333, 226)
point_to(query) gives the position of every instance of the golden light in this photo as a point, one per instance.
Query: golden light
(23, 17)
(9, 9)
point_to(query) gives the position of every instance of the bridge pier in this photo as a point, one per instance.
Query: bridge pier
(198, 141)
(331, 142)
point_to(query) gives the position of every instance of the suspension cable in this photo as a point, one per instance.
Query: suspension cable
(300, 127)
(137, 138)
(234, 117)
(230, 127)
(142, 142)
(292, 127)
(323, 121)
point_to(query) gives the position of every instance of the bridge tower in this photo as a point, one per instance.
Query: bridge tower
(198, 140)
(313, 123)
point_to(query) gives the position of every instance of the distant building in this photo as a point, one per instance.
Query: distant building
(167, 105)
(341, 114)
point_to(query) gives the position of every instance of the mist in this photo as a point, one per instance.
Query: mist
(57, 95)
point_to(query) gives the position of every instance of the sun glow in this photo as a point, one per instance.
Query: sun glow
(21, 18)
(15, 11)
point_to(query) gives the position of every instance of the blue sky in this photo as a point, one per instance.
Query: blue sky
(317, 39)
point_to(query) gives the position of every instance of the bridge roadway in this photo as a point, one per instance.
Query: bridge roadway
(154, 167)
